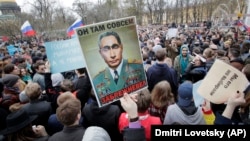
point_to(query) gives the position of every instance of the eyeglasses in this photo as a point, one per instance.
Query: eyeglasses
(108, 48)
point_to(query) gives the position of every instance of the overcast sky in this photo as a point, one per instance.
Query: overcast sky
(25, 7)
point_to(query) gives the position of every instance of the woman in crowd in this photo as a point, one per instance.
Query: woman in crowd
(161, 98)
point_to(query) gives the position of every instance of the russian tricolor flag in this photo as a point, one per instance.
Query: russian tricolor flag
(27, 29)
(242, 26)
(77, 23)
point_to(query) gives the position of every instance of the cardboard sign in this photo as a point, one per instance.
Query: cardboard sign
(172, 32)
(113, 58)
(64, 55)
(221, 81)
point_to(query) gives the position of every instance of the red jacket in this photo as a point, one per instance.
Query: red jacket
(145, 119)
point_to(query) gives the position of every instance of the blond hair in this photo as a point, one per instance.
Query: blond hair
(33, 90)
(63, 97)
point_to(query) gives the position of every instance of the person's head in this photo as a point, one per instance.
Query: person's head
(199, 61)
(160, 54)
(96, 133)
(67, 85)
(227, 45)
(150, 44)
(63, 97)
(162, 95)
(7, 59)
(56, 79)
(233, 53)
(19, 126)
(40, 67)
(11, 69)
(195, 75)
(69, 112)
(33, 90)
(246, 71)
(110, 48)
(143, 100)
(213, 47)
(185, 94)
(208, 53)
(238, 63)
(196, 50)
(184, 50)
(11, 80)
(23, 71)
(245, 48)
(145, 56)
(220, 53)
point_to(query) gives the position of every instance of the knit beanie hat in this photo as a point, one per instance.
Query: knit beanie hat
(10, 80)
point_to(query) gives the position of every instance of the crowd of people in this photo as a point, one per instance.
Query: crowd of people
(38, 105)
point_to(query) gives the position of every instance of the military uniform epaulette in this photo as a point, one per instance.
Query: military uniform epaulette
(134, 61)
(100, 72)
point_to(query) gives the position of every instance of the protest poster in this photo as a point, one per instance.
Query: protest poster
(221, 81)
(172, 32)
(113, 58)
(64, 55)
(12, 49)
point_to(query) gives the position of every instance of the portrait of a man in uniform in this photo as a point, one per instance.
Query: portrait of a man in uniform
(120, 72)
(113, 58)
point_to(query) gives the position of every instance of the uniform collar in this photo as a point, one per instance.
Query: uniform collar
(118, 69)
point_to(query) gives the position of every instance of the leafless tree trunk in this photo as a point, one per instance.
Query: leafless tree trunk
(181, 11)
(150, 4)
(187, 10)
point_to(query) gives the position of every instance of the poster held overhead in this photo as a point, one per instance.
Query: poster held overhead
(221, 81)
(172, 32)
(113, 58)
(64, 55)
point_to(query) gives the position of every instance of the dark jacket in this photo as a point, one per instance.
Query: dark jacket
(134, 134)
(42, 109)
(73, 133)
(106, 117)
(159, 72)
(195, 73)
(83, 87)
(9, 97)
(221, 120)
(51, 92)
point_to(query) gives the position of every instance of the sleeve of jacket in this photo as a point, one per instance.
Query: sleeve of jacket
(51, 91)
(138, 134)
(221, 120)
(83, 94)
(48, 83)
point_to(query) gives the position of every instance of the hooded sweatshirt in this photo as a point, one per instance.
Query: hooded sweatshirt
(175, 115)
